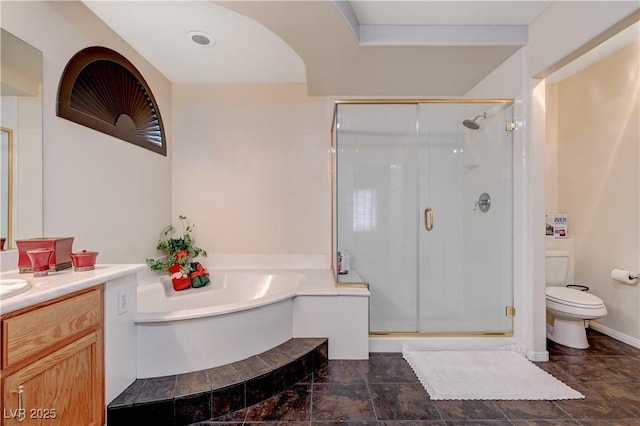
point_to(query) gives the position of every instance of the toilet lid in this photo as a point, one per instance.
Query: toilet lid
(572, 297)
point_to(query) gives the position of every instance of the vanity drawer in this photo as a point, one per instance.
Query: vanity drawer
(38, 328)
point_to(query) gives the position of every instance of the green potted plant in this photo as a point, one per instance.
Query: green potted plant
(179, 252)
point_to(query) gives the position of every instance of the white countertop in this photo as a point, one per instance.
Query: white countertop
(61, 283)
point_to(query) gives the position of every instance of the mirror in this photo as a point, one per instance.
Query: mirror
(21, 209)
(6, 180)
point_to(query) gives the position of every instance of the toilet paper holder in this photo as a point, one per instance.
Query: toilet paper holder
(632, 276)
(624, 276)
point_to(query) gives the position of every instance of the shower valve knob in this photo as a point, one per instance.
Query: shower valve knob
(483, 203)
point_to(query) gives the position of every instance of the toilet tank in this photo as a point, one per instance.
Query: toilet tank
(556, 266)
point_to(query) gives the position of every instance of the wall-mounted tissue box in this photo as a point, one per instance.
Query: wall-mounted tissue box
(61, 259)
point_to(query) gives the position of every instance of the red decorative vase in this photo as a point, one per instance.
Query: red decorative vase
(179, 281)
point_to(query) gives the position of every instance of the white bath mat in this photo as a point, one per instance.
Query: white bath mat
(499, 374)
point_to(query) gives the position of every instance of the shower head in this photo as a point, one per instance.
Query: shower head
(471, 124)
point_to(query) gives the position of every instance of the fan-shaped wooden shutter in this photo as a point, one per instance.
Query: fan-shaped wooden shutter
(102, 90)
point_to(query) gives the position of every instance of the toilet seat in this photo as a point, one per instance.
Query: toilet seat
(575, 302)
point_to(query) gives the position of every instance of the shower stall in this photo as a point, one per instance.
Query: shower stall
(423, 213)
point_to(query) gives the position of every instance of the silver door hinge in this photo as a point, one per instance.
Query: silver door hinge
(510, 311)
(510, 125)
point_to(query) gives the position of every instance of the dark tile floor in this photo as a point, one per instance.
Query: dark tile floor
(384, 391)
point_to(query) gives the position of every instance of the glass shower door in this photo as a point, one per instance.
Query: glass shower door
(376, 203)
(424, 213)
(465, 243)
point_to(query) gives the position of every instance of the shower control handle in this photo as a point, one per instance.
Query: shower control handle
(483, 203)
(428, 218)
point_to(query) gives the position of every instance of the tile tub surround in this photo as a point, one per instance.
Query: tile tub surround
(384, 391)
(187, 398)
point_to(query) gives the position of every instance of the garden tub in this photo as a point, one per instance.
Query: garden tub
(237, 315)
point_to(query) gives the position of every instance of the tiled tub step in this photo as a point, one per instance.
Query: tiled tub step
(187, 398)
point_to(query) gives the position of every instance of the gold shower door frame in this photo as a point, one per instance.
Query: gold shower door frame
(333, 171)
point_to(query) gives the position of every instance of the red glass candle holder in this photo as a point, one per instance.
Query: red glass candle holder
(40, 261)
(84, 260)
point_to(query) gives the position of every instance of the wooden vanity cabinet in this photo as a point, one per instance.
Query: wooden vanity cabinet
(53, 362)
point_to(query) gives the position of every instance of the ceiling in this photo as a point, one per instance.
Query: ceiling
(20, 67)
(358, 48)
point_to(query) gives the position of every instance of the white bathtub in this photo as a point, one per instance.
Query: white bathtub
(237, 315)
(228, 291)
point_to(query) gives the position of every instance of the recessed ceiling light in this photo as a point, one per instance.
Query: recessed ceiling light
(201, 38)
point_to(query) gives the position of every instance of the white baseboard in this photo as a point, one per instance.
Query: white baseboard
(538, 356)
(615, 334)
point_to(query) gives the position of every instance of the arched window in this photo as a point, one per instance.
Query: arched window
(102, 90)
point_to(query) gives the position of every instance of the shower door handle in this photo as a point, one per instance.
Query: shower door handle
(428, 218)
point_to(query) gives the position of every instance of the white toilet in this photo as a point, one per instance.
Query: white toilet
(568, 307)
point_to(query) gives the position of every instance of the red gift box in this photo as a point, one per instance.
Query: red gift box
(60, 259)
(179, 281)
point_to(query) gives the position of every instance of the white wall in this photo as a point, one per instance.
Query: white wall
(599, 181)
(566, 26)
(551, 149)
(120, 335)
(549, 43)
(113, 196)
(508, 81)
(251, 167)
